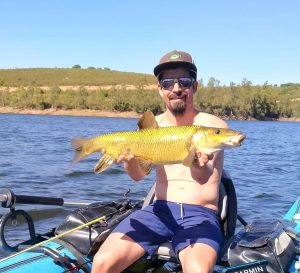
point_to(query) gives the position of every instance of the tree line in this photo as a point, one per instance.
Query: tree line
(233, 102)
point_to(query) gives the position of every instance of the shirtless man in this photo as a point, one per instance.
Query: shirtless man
(186, 203)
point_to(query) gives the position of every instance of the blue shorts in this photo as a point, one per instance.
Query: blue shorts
(183, 224)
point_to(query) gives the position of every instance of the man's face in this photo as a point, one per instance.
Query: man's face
(177, 94)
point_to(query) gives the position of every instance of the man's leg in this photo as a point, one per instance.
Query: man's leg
(198, 258)
(145, 232)
(116, 253)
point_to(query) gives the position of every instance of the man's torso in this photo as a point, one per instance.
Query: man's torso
(178, 183)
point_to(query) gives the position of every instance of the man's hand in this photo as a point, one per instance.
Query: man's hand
(131, 166)
(202, 159)
(121, 158)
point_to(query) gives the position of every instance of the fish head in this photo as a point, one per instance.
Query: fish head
(211, 139)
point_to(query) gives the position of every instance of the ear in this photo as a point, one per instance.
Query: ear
(195, 86)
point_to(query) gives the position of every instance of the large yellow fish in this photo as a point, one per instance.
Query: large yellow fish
(153, 145)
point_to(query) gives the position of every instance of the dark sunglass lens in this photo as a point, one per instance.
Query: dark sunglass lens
(167, 83)
(185, 82)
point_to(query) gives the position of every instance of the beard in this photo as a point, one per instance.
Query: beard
(178, 108)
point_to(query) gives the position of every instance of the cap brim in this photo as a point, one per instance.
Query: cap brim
(171, 65)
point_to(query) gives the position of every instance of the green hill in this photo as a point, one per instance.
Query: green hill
(43, 88)
(70, 77)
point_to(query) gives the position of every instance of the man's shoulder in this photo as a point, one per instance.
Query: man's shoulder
(209, 120)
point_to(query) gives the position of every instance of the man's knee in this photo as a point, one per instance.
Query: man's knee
(196, 267)
(102, 262)
(198, 259)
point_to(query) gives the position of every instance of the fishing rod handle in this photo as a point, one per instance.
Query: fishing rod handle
(38, 200)
(8, 199)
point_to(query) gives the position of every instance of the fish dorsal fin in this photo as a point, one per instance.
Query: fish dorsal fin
(188, 160)
(147, 121)
(146, 166)
(104, 162)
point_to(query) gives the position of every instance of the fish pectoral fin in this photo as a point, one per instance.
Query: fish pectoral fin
(147, 121)
(188, 160)
(146, 166)
(104, 162)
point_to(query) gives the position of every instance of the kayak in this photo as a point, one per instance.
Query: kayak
(260, 246)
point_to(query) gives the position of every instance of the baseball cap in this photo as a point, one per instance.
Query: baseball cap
(176, 59)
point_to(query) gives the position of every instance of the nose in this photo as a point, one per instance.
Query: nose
(176, 87)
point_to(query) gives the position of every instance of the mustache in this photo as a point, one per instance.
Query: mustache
(177, 96)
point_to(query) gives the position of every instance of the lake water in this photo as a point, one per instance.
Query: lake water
(35, 155)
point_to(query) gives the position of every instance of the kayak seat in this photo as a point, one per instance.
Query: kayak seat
(227, 212)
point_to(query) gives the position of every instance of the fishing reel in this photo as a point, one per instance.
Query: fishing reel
(8, 200)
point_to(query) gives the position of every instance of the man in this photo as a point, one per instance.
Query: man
(186, 203)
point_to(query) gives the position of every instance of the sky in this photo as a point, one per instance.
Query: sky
(229, 39)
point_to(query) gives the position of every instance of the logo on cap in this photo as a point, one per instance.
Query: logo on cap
(175, 56)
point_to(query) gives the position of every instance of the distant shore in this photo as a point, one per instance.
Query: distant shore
(86, 113)
(73, 112)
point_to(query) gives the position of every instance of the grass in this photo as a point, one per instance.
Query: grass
(70, 77)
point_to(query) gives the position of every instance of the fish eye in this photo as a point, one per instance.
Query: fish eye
(217, 131)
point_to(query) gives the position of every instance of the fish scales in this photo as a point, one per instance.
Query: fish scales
(158, 146)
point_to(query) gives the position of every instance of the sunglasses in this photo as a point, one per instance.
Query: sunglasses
(184, 82)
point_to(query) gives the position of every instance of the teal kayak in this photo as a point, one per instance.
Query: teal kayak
(260, 246)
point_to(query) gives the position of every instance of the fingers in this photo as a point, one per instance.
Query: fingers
(202, 159)
(120, 159)
(123, 158)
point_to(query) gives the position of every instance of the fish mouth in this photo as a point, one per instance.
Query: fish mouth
(236, 140)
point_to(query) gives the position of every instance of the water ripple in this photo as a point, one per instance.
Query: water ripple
(35, 156)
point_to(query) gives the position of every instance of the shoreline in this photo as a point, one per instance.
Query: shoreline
(73, 112)
(89, 113)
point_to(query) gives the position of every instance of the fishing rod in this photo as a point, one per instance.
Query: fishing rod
(8, 199)
(58, 236)
(98, 219)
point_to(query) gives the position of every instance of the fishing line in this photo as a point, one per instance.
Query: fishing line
(57, 237)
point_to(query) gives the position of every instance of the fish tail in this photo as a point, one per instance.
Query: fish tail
(78, 146)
